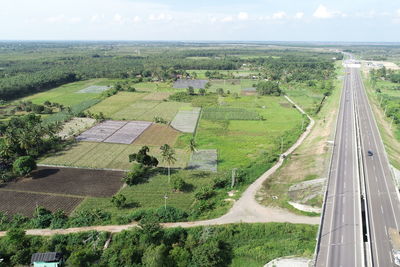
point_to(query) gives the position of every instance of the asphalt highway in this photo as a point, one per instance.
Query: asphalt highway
(356, 175)
(341, 233)
(381, 192)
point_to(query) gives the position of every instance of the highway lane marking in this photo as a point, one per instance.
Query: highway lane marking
(342, 221)
(382, 209)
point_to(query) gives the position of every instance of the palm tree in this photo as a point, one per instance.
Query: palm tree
(168, 156)
(192, 145)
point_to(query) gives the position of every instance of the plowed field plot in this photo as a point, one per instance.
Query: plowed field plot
(107, 156)
(71, 182)
(120, 132)
(204, 160)
(186, 120)
(196, 84)
(25, 203)
(158, 135)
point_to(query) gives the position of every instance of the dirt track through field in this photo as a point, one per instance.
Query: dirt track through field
(245, 210)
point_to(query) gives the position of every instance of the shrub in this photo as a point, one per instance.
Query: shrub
(204, 193)
(24, 165)
(220, 182)
(170, 214)
(178, 183)
(41, 218)
(136, 176)
(180, 97)
(119, 200)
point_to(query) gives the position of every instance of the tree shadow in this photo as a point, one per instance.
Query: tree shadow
(43, 173)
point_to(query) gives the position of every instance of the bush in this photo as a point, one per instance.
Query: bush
(220, 182)
(268, 88)
(136, 176)
(178, 183)
(204, 193)
(119, 200)
(171, 214)
(180, 97)
(24, 165)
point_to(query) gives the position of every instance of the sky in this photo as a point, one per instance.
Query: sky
(201, 20)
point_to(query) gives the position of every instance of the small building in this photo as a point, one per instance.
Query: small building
(47, 259)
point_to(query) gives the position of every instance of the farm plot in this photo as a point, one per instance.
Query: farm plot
(225, 113)
(12, 202)
(196, 84)
(186, 120)
(108, 156)
(75, 126)
(71, 182)
(204, 160)
(157, 96)
(67, 94)
(158, 135)
(119, 132)
(148, 110)
(94, 89)
(233, 85)
(115, 103)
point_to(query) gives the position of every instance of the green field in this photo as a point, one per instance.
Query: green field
(106, 155)
(154, 86)
(150, 195)
(240, 142)
(235, 73)
(130, 106)
(116, 103)
(234, 86)
(67, 94)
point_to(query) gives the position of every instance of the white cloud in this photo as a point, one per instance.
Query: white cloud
(118, 18)
(227, 19)
(58, 18)
(137, 19)
(279, 15)
(299, 15)
(398, 12)
(322, 12)
(74, 20)
(161, 16)
(243, 16)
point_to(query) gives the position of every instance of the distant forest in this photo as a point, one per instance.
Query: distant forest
(29, 67)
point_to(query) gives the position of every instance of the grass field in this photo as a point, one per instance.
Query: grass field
(239, 142)
(116, 103)
(234, 86)
(106, 155)
(150, 195)
(236, 73)
(68, 94)
(131, 106)
(154, 86)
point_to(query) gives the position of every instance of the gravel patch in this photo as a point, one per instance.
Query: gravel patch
(186, 120)
(196, 84)
(94, 89)
(204, 160)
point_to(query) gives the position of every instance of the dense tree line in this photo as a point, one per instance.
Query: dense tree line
(151, 245)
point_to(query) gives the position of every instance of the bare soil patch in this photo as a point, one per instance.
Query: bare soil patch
(70, 181)
(158, 135)
(25, 203)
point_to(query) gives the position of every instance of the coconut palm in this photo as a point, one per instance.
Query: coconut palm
(192, 145)
(168, 156)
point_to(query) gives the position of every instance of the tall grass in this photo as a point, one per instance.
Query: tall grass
(225, 113)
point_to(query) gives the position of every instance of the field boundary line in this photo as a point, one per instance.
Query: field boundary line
(42, 193)
(84, 168)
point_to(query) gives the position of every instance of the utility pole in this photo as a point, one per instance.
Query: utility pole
(384, 113)
(233, 177)
(391, 123)
(165, 201)
(281, 145)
